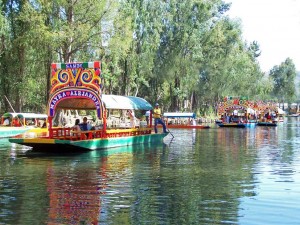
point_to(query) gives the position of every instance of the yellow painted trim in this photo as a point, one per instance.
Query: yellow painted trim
(39, 140)
(112, 131)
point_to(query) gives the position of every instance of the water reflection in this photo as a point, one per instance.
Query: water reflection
(213, 176)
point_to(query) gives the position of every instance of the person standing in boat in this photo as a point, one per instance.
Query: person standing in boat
(157, 118)
(131, 115)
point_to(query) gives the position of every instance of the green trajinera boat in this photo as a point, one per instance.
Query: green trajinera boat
(77, 86)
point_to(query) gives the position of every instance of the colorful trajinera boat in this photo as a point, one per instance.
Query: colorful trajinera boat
(184, 120)
(78, 86)
(237, 112)
(13, 124)
(268, 114)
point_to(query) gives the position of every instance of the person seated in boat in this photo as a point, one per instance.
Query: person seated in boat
(268, 116)
(85, 126)
(231, 119)
(240, 120)
(44, 124)
(157, 118)
(76, 127)
(16, 122)
(6, 122)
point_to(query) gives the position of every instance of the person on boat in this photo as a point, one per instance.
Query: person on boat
(131, 115)
(268, 116)
(17, 122)
(76, 127)
(85, 126)
(6, 122)
(157, 118)
(44, 124)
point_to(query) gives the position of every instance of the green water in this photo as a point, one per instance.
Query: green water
(209, 176)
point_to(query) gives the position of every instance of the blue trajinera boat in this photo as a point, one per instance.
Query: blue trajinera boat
(237, 125)
(269, 123)
(237, 112)
(78, 86)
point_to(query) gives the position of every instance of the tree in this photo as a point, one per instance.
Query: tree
(283, 77)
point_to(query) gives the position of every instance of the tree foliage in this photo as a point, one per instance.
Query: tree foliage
(284, 81)
(174, 52)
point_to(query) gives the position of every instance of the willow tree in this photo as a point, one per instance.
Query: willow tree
(13, 55)
(42, 32)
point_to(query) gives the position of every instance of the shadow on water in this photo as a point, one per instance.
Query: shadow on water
(86, 154)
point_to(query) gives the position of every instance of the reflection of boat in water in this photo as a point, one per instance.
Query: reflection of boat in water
(78, 86)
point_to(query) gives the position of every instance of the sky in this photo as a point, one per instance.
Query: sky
(274, 24)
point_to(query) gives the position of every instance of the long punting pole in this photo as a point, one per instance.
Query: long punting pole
(9, 103)
(150, 118)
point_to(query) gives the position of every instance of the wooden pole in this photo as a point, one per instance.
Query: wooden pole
(9, 103)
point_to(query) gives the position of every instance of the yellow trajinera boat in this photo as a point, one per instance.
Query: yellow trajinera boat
(78, 86)
(13, 124)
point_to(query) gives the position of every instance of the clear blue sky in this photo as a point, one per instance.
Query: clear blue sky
(274, 24)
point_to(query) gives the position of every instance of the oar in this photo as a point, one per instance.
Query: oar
(170, 132)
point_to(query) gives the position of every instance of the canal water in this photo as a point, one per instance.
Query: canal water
(209, 176)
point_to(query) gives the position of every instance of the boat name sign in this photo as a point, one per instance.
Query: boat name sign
(74, 93)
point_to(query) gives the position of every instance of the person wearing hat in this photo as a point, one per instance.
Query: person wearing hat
(157, 118)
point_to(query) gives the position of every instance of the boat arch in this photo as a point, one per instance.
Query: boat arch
(75, 98)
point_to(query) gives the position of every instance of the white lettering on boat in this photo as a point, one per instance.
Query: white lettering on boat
(73, 93)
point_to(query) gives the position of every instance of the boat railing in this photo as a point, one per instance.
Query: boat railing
(128, 132)
(67, 133)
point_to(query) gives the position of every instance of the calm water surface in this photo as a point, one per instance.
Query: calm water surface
(214, 176)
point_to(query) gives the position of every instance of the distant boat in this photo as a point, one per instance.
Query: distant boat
(178, 121)
(19, 123)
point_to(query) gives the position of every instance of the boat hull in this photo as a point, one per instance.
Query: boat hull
(269, 124)
(187, 126)
(47, 144)
(12, 131)
(235, 125)
(252, 124)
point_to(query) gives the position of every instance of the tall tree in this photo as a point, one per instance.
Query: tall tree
(283, 77)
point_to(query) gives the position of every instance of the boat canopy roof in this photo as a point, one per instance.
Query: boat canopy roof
(25, 115)
(179, 115)
(9, 114)
(125, 102)
(32, 115)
